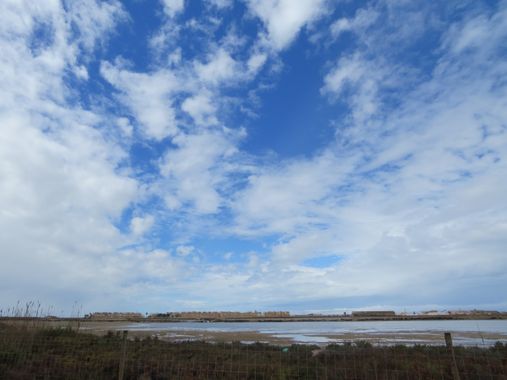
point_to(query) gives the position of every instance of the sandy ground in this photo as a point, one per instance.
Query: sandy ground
(413, 337)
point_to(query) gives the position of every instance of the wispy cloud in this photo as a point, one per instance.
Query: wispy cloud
(132, 171)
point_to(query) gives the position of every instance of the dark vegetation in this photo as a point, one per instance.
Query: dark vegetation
(36, 353)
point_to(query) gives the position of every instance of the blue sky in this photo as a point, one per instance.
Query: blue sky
(311, 156)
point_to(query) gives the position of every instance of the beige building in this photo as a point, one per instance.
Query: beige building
(105, 316)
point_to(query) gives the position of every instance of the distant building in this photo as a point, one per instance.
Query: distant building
(106, 316)
(220, 315)
(276, 314)
(373, 314)
(475, 312)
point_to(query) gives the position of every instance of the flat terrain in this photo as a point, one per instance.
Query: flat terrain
(208, 332)
(29, 352)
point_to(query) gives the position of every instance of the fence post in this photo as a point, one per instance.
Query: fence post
(450, 348)
(123, 357)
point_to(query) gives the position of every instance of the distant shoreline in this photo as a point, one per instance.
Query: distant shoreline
(412, 332)
(295, 318)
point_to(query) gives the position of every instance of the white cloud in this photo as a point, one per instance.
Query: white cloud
(196, 170)
(124, 124)
(479, 32)
(201, 108)
(175, 57)
(361, 21)
(221, 4)
(348, 70)
(341, 25)
(311, 244)
(284, 19)
(255, 62)
(149, 96)
(173, 7)
(95, 19)
(81, 72)
(219, 68)
(61, 189)
(184, 250)
(266, 206)
(139, 225)
(419, 184)
(356, 81)
(33, 65)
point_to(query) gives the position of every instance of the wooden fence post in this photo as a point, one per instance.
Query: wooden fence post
(450, 348)
(123, 357)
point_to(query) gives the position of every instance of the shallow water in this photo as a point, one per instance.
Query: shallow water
(466, 332)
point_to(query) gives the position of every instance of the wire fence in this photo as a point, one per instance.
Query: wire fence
(34, 353)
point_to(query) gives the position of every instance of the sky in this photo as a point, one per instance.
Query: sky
(309, 156)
